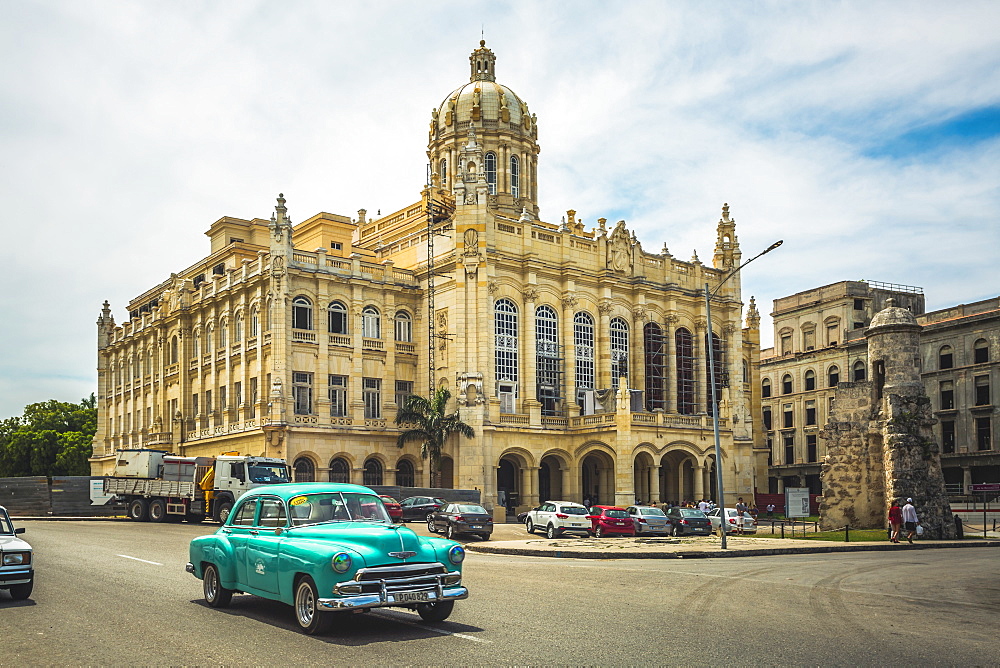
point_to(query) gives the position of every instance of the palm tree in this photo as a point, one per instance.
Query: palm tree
(429, 424)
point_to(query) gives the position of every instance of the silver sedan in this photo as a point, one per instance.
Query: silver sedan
(649, 521)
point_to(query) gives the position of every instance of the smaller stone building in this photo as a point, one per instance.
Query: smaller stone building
(881, 445)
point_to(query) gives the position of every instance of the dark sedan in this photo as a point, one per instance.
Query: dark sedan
(461, 518)
(417, 508)
(689, 521)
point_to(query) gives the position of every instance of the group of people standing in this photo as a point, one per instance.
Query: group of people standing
(903, 518)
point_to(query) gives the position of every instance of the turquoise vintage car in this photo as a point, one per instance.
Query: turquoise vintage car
(326, 547)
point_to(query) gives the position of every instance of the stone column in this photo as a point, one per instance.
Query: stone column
(966, 478)
(681, 487)
(602, 349)
(670, 368)
(700, 354)
(529, 393)
(699, 482)
(654, 483)
(569, 302)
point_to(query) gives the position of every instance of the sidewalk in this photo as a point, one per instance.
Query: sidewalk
(701, 547)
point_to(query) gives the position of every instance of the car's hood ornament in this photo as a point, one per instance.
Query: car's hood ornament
(403, 555)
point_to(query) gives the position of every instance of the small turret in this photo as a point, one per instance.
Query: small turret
(727, 247)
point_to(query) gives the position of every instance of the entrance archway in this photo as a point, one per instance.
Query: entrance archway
(682, 478)
(508, 483)
(550, 479)
(447, 472)
(597, 478)
(647, 489)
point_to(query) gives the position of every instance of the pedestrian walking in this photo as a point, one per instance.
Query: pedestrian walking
(910, 520)
(741, 509)
(895, 521)
(770, 511)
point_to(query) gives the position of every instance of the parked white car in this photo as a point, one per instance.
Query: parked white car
(733, 521)
(649, 521)
(17, 573)
(557, 518)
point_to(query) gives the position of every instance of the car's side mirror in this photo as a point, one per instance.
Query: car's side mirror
(17, 531)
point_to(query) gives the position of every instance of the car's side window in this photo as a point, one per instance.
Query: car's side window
(272, 513)
(244, 514)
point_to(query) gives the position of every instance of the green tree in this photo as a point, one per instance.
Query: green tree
(427, 421)
(51, 438)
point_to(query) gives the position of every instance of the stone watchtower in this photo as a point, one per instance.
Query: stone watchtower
(881, 445)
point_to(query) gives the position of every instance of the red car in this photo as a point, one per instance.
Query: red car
(606, 520)
(393, 508)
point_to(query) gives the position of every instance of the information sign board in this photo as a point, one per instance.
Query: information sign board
(796, 502)
(985, 487)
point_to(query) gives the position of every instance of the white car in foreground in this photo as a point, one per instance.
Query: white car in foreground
(557, 518)
(733, 521)
(17, 574)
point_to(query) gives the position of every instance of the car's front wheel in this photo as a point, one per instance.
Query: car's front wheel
(307, 613)
(529, 525)
(216, 595)
(435, 612)
(21, 591)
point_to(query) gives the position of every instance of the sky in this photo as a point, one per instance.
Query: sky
(864, 134)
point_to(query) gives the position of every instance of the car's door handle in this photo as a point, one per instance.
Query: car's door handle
(254, 532)
(227, 531)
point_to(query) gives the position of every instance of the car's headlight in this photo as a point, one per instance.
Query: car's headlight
(341, 562)
(456, 554)
(16, 558)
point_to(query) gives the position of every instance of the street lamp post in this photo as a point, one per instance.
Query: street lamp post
(711, 373)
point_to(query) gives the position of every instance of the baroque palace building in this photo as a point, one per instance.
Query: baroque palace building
(819, 343)
(578, 357)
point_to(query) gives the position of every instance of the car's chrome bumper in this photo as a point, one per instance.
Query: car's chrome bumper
(189, 567)
(383, 599)
(16, 576)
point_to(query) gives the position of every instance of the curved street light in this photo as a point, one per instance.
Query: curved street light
(711, 373)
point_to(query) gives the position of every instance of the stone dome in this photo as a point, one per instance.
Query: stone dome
(893, 316)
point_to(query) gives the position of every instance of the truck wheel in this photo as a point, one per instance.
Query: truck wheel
(21, 591)
(307, 613)
(138, 510)
(435, 612)
(157, 510)
(222, 511)
(216, 595)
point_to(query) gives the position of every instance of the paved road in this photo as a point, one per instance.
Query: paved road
(117, 593)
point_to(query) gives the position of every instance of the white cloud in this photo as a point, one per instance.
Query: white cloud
(129, 128)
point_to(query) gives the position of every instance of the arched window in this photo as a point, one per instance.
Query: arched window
(196, 345)
(786, 384)
(404, 473)
(515, 177)
(833, 376)
(981, 352)
(505, 331)
(443, 172)
(254, 322)
(173, 350)
(547, 359)
(746, 371)
(765, 388)
(859, 371)
(223, 328)
(336, 318)
(209, 338)
(238, 328)
(583, 343)
(719, 357)
(810, 380)
(619, 351)
(305, 471)
(340, 470)
(655, 349)
(490, 166)
(684, 353)
(946, 358)
(404, 327)
(373, 473)
(302, 313)
(371, 323)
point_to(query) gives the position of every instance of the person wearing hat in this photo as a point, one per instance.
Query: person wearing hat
(910, 520)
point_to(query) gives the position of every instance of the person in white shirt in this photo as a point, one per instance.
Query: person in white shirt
(703, 506)
(910, 520)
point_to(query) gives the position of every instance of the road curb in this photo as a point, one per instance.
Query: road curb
(753, 552)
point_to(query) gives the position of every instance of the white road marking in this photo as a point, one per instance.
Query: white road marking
(125, 556)
(396, 618)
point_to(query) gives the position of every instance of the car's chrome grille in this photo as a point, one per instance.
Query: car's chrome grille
(401, 577)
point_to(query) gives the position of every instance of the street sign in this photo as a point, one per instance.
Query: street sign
(796, 502)
(985, 487)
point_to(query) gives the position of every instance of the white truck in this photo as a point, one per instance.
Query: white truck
(157, 486)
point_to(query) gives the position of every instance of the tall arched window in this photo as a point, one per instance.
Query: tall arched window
(196, 345)
(443, 172)
(238, 328)
(833, 376)
(810, 379)
(223, 328)
(981, 351)
(547, 359)
(684, 353)
(302, 313)
(404, 473)
(515, 177)
(373, 473)
(946, 358)
(583, 344)
(173, 350)
(490, 167)
(209, 339)
(340, 470)
(619, 351)
(336, 318)
(765, 388)
(305, 471)
(371, 323)
(404, 327)
(254, 322)
(655, 349)
(505, 328)
(786, 384)
(719, 357)
(859, 371)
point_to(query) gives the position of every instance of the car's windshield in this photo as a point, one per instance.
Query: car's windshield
(692, 513)
(337, 507)
(573, 510)
(472, 510)
(5, 525)
(272, 474)
(615, 513)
